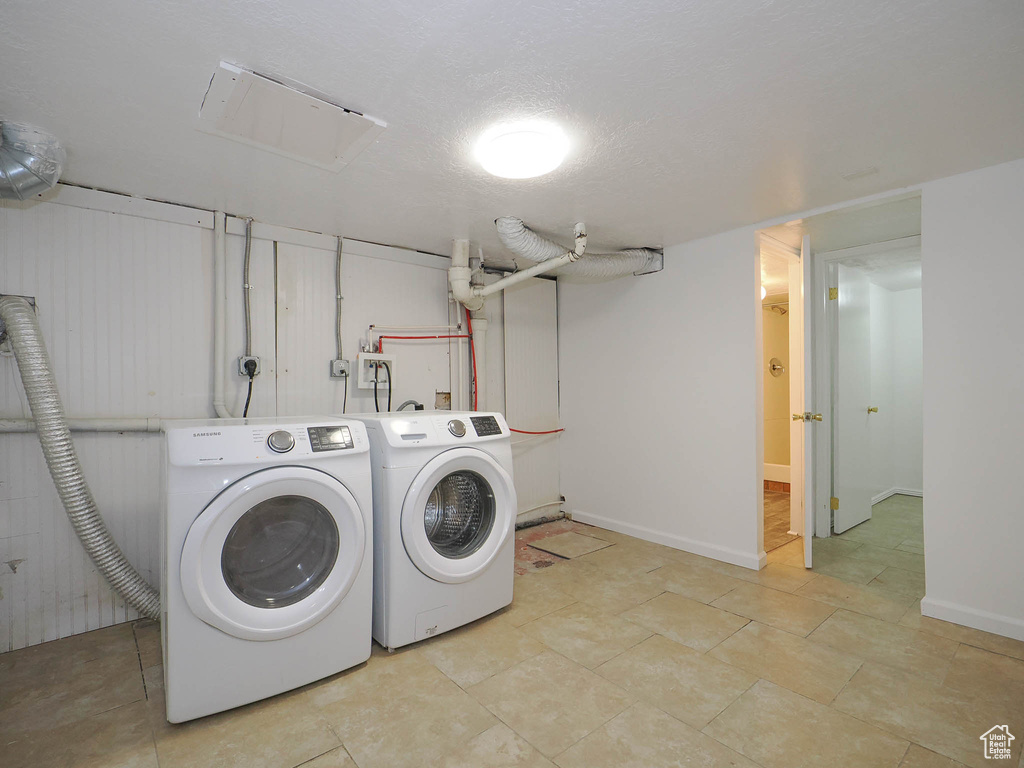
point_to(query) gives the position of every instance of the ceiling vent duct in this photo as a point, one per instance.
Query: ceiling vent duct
(31, 161)
(285, 119)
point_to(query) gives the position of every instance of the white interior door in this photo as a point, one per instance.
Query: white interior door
(801, 445)
(851, 447)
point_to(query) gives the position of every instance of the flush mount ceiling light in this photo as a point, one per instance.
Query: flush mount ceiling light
(522, 150)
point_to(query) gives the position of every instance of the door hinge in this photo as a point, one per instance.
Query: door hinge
(834, 503)
(833, 294)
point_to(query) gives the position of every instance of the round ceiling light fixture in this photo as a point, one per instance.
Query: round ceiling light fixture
(522, 150)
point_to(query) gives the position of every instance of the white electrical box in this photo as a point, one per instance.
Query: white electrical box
(373, 364)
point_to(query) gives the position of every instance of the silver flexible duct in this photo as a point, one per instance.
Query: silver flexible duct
(62, 460)
(31, 161)
(523, 241)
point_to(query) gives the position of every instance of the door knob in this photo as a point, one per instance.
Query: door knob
(816, 417)
(798, 417)
(873, 409)
(807, 416)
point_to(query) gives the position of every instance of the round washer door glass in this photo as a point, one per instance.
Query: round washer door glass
(273, 553)
(280, 551)
(459, 514)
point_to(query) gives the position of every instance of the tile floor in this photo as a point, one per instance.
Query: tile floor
(624, 654)
(776, 520)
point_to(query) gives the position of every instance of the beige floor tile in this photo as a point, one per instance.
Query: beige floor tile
(918, 653)
(497, 747)
(868, 600)
(118, 737)
(780, 729)
(919, 757)
(532, 598)
(75, 691)
(475, 652)
(996, 643)
(695, 581)
(787, 578)
(789, 554)
(586, 634)
(283, 731)
(812, 670)
(899, 581)
(769, 606)
(635, 556)
(550, 701)
(908, 561)
(643, 737)
(686, 621)
(611, 590)
(570, 544)
(398, 711)
(943, 720)
(336, 758)
(988, 676)
(147, 639)
(914, 545)
(846, 568)
(688, 685)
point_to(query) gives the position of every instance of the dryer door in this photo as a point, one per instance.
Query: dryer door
(459, 511)
(273, 553)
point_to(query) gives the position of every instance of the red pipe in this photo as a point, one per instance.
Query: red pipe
(380, 343)
(472, 352)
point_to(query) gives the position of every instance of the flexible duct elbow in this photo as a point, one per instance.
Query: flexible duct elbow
(62, 460)
(523, 241)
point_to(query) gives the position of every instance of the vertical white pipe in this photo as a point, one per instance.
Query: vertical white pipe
(220, 328)
(480, 345)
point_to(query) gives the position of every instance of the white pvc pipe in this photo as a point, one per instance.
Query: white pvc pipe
(88, 425)
(518, 277)
(220, 327)
(480, 351)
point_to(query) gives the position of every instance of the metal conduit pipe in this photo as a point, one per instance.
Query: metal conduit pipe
(87, 425)
(62, 460)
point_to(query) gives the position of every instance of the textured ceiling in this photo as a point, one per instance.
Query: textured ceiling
(687, 118)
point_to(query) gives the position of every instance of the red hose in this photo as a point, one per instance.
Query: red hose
(527, 432)
(472, 353)
(380, 342)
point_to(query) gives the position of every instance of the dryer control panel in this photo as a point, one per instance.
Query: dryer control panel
(333, 438)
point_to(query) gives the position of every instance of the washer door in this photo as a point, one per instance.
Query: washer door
(273, 553)
(458, 513)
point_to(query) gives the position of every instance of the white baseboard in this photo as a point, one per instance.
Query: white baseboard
(896, 492)
(714, 551)
(779, 473)
(1007, 626)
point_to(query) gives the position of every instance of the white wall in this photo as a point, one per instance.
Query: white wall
(896, 434)
(126, 308)
(659, 396)
(973, 270)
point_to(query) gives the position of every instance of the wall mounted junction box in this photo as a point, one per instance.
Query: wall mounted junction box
(372, 363)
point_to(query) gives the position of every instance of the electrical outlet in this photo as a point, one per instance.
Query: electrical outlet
(339, 369)
(370, 363)
(241, 366)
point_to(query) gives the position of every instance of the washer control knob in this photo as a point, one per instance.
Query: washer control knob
(281, 441)
(457, 427)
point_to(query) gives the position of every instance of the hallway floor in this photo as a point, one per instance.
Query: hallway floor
(776, 520)
(616, 652)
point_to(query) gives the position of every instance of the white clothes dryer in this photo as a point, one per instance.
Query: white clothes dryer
(267, 558)
(444, 514)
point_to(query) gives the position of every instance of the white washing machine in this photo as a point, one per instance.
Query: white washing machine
(267, 558)
(444, 514)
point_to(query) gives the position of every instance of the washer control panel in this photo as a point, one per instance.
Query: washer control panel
(281, 441)
(333, 438)
(485, 426)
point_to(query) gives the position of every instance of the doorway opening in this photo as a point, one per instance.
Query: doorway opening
(861, 419)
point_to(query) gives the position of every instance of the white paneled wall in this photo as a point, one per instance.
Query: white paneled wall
(531, 393)
(126, 308)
